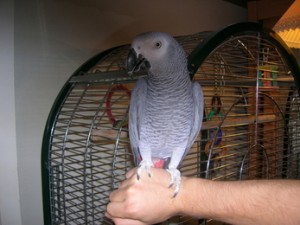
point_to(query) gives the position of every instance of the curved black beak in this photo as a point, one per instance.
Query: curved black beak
(136, 62)
(132, 61)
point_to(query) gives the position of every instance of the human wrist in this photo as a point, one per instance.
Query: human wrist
(192, 197)
(183, 197)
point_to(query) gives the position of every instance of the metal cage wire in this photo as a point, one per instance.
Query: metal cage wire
(250, 129)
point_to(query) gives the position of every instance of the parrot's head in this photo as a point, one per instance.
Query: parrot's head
(155, 52)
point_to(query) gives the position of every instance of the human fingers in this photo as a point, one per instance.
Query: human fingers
(119, 221)
(122, 221)
(128, 222)
(135, 198)
(131, 173)
(124, 189)
(129, 177)
(115, 210)
(124, 205)
(116, 196)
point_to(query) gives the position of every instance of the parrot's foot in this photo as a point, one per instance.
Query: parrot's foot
(175, 180)
(144, 165)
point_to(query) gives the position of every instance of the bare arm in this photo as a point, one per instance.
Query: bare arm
(150, 201)
(244, 202)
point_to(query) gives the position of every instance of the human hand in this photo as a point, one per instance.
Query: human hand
(148, 200)
(120, 221)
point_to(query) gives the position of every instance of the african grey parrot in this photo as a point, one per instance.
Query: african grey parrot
(166, 107)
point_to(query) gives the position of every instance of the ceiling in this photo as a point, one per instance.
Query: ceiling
(267, 12)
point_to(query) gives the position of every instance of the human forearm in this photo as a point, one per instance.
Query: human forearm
(242, 202)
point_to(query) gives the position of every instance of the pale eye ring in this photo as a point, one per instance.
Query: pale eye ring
(158, 44)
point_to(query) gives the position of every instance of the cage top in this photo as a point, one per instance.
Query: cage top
(201, 52)
(110, 65)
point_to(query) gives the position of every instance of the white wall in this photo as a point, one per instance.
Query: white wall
(52, 39)
(9, 185)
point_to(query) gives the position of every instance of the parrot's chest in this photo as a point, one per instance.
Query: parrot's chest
(167, 122)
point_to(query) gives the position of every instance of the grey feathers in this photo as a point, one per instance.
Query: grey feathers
(166, 108)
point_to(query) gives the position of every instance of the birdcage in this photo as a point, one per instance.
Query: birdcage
(250, 129)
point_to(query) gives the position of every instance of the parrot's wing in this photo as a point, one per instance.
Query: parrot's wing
(198, 115)
(137, 103)
(195, 129)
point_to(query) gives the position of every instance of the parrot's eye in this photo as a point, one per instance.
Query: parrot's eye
(158, 44)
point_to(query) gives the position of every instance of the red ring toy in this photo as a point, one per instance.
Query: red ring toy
(118, 87)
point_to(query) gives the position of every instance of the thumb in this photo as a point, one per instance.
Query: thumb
(131, 173)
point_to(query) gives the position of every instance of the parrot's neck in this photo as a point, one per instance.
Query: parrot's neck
(173, 79)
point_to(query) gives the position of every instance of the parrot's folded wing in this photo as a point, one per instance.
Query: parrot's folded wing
(136, 114)
(198, 115)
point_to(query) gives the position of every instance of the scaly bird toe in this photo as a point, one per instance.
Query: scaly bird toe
(144, 165)
(175, 180)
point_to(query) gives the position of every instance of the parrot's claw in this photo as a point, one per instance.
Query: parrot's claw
(144, 165)
(175, 180)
